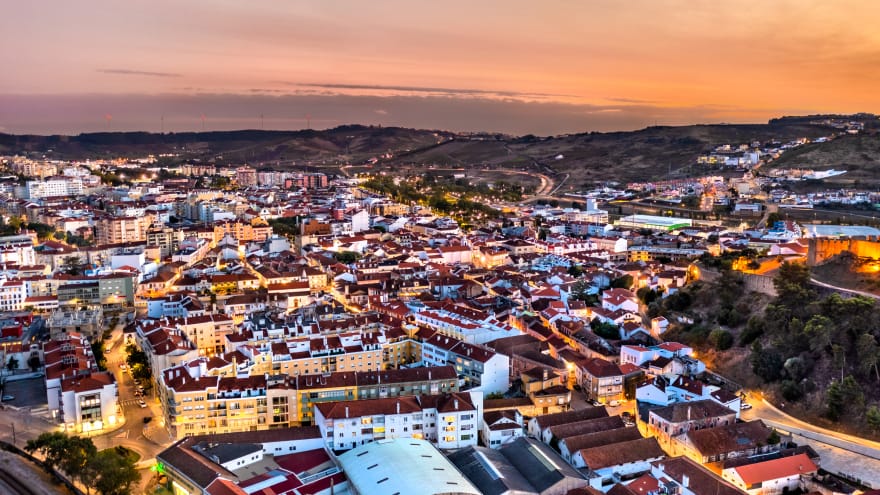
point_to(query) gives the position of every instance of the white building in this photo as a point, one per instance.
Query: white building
(414, 467)
(12, 295)
(88, 402)
(501, 427)
(478, 368)
(54, 187)
(450, 421)
(771, 477)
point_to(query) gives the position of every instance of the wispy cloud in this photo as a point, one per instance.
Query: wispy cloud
(130, 72)
(462, 92)
(634, 101)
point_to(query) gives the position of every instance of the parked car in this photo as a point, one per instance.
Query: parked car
(745, 406)
(7, 398)
(595, 403)
(614, 403)
(122, 367)
(142, 403)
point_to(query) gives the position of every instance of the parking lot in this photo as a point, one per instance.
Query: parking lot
(27, 393)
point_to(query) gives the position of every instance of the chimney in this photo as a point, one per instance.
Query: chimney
(455, 403)
(685, 480)
(545, 374)
(398, 407)
(346, 411)
(689, 413)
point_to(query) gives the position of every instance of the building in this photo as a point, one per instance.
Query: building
(601, 380)
(88, 402)
(378, 468)
(680, 418)
(276, 461)
(56, 186)
(654, 222)
(685, 477)
(607, 463)
(88, 321)
(117, 230)
(772, 477)
(450, 421)
(245, 176)
(524, 466)
(734, 441)
(501, 427)
(479, 368)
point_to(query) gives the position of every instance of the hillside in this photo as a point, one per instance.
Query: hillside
(859, 155)
(585, 159)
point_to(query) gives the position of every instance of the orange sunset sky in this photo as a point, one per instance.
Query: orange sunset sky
(520, 67)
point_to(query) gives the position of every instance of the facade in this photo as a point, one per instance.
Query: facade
(480, 368)
(117, 230)
(88, 402)
(680, 418)
(772, 477)
(449, 421)
(88, 322)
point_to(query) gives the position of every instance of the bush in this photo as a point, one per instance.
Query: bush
(721, 339)
(791, 391)
(754, 329)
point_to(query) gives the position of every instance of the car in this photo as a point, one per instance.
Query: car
(7, 398)
(745, 406)
(595, 403)
(122, 367)
(614, 403)
(142, 403)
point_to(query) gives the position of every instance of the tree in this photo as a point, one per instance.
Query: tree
(873, 418)
(792, 284)
(79, 452)
(869, 354)
(72, 265)
(52, 445)
(818, 333)
(347, 257)
(138, 363)
(34, 363)
(721, 339)
(843, 397)
(115, 473)
(623, 282)
(766, 363)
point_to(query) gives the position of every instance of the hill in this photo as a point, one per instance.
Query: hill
(581, 159)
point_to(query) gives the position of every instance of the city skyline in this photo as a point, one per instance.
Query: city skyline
(513, 67)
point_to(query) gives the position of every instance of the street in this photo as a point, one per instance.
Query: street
(841, 453)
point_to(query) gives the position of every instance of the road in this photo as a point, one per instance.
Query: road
(841, 453)
(841, 289)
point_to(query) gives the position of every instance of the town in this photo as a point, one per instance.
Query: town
(245, 330)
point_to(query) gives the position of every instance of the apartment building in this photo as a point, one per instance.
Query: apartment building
(198, 402)
(449, 421)
(116, 230)
(88, 402)
(478, 367)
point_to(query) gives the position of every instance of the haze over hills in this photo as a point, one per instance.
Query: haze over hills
(586, 158)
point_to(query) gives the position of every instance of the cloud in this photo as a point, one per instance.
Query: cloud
(631, 100)
(381, 112)
(461, 92)
(129, 72)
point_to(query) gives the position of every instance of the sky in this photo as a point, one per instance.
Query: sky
(520, 67)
